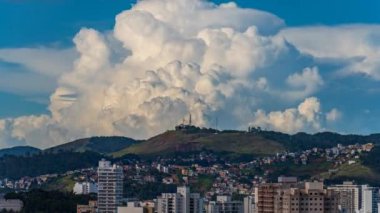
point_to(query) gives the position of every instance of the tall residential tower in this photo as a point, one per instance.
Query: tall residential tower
(110, 187)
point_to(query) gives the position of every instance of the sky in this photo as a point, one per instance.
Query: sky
(304, 66)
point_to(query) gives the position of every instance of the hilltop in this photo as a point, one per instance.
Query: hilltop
(102, 145)
(240, 145)
(256, 142)
(194, 139)
(181, 141)
(19, 151)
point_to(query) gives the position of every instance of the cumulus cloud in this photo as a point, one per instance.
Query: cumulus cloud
(33, 71)
(306, 117)
(305, 83)
(165, 59)
(357, 47)
(333, 115)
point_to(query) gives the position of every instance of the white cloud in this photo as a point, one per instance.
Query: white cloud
(333, 115)
(165, 59)
(34, 71)
(305, 83)
(50, 62)
(306, 117)
(357, 45)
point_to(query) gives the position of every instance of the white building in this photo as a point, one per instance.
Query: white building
(370, 199)
(132, 207)
(110, 187)
(181, 202)
(224, 204)
(249, 204)
(348, 195)
(84, 188)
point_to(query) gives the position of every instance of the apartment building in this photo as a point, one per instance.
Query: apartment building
(349, 197)
(312, 197)
(249, 204)
(110, 187)
(292, 197)
(181, 202)
(370, 199)
(224, 204)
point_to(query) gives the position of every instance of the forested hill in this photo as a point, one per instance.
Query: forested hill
(102, 145)
(303, 141)
(256, 142)
(19, 151)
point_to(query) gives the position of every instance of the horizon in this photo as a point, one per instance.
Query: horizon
(79, 69)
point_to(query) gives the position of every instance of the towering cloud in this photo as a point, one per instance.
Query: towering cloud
(165, 59)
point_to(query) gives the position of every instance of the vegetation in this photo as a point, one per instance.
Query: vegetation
(103, 145)
(19, 151)
(303, 141)
(39, 201)
(46, 163)
(203, 184)
(147, 190)
(372, 159)
(180, 141)
(61, 183)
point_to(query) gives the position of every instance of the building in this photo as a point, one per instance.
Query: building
(295, 198)
(264, 197)
(224, 204)
(85, 188)
(181, 202)
(370, 199)
(13, 205)
(132, 207)
(110, 187)
(312, 197)
(90, 208)
(264, 193)
(249, 204)
(349, 197)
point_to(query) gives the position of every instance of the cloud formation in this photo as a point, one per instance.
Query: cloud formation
(356, 47)
(305, 117)
(165, 59)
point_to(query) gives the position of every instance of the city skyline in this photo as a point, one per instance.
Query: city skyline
(75, 70)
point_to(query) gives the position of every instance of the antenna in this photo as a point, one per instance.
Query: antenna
(216, 123)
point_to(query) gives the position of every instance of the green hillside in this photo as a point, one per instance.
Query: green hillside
(19, 151)
(180, 141)
(103, 145)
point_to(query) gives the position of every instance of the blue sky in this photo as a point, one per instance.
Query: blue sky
(54, 23)
(43, 22)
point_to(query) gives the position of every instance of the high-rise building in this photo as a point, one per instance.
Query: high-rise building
(249, 204)
(264, 197)
(224, 204)
(348, 196)
(295, 198)
(312, 197)
(370, 199)
(181, 202)
(264, 193)
(110, 186)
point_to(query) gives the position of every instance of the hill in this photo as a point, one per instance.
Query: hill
(15, 167)
(304, 141)
(240, 142)
(181, 141)
(19, 151)
(102, 145)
